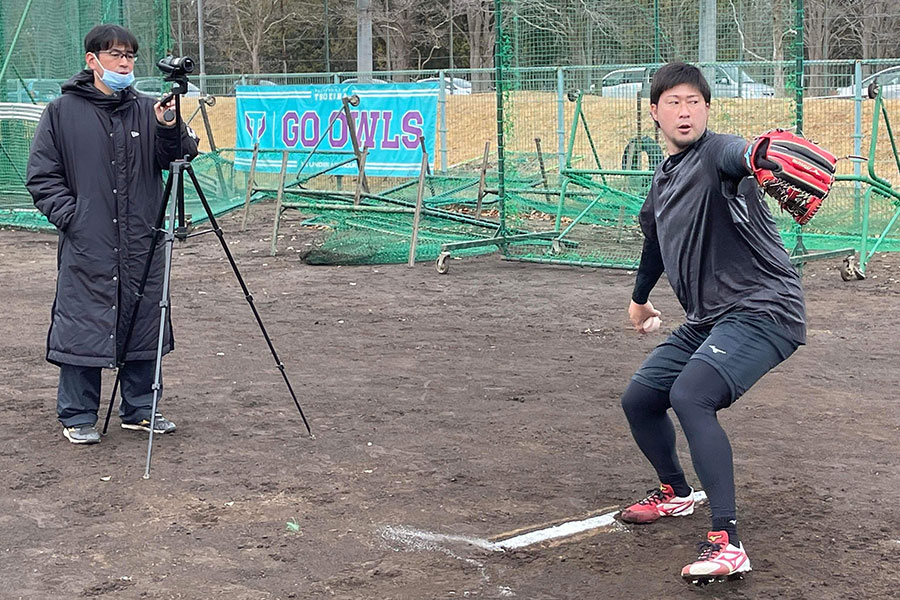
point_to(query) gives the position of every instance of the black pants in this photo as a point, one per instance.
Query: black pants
(697, 372)
(78, 396)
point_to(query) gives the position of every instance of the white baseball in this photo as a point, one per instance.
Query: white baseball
(652, 324)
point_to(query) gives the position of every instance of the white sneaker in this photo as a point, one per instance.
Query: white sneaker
(661, 502)
(719, 560)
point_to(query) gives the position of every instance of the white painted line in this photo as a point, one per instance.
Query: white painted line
(568, 529)
(558, 531)
(428, 540)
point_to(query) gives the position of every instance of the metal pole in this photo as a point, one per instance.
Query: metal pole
(420, 195)
(180, 33)
(560, 119)
(364, 41)
(451, 35)
(15, 39)
(202, 48)
(707, 46)
(499, 74)
(857, 136)
(442, 112)
(327, 40)
(798, 54)
(656, 52)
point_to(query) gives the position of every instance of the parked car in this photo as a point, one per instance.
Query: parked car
(452, 85)
(41, 90)
(729, 82)
(356, 80)
(156, 87)
(888, 80)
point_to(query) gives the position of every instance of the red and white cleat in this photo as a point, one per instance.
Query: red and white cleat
(660, 502)
(719, 560)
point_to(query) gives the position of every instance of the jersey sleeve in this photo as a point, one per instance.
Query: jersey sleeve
(651, 265)
(729, 152)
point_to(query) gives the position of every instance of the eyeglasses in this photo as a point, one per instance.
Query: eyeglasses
(117, 55)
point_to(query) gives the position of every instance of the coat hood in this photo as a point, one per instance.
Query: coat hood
(82, 84)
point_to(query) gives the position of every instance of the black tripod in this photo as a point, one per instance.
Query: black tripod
(173, 197)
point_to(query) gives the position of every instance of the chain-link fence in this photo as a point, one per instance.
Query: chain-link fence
(573, 110)
(43, 40)
(541, 139)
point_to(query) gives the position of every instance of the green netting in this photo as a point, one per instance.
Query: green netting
(16, 131)
(578, 72)
(41, 46)
(380, 228)
(223, 187)
(355, 238)
(551, 54)
(50, 42)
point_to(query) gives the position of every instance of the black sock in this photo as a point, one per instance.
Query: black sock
(729, 526)
(679, 486)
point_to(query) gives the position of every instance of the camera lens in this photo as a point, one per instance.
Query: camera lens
(174, 66)
(185, 63)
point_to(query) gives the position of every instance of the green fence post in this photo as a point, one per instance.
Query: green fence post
(560, 118)
(500, 74)
(798, 55)
(857, 137)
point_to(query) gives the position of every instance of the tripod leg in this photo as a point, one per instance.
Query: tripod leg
(164, 308)
(247, 295)
(140, 293)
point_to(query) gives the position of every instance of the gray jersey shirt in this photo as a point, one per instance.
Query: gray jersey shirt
(719, 243)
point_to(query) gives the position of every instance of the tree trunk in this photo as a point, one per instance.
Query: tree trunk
(481, 34)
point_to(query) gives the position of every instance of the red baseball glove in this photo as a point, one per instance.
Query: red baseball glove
(793, 170)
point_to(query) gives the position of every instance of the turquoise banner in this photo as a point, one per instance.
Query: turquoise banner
(389, 119)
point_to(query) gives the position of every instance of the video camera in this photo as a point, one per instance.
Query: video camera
(176, 70)
(176, 67)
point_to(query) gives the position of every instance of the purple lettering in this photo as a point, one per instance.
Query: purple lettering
(412, 131)
(289, 132)
(366, 127)
(341, 123)
(309, 136)
(388, 142)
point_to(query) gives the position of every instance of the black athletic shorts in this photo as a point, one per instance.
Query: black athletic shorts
(742, 347)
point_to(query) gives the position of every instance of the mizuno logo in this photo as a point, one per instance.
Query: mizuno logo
(135, 133)
(716, 350)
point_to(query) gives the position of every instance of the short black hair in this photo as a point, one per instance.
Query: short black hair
(674, 74)
(104, 37)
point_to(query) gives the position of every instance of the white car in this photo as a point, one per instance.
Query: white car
(888, 80)
(730, 82)
(357, 80)
(452, 85)
(156, 87)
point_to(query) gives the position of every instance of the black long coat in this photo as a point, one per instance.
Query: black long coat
(95, 171)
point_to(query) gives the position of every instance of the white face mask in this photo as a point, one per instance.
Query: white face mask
(113, 80)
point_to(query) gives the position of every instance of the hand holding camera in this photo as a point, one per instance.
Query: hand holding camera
(176, 70)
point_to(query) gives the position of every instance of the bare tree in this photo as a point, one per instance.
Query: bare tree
(254, 21)
(876, 25)
(412, 32)
(480, 33)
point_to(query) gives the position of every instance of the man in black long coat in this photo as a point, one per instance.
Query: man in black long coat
(95, 171)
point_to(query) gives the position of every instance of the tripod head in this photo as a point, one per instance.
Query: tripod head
(176, 71)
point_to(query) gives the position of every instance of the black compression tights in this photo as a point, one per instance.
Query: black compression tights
(695, 396)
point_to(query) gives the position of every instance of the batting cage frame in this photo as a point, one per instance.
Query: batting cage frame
(596, 225)
(574, 148)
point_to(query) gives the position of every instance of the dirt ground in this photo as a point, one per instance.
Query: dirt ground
(476, 404)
